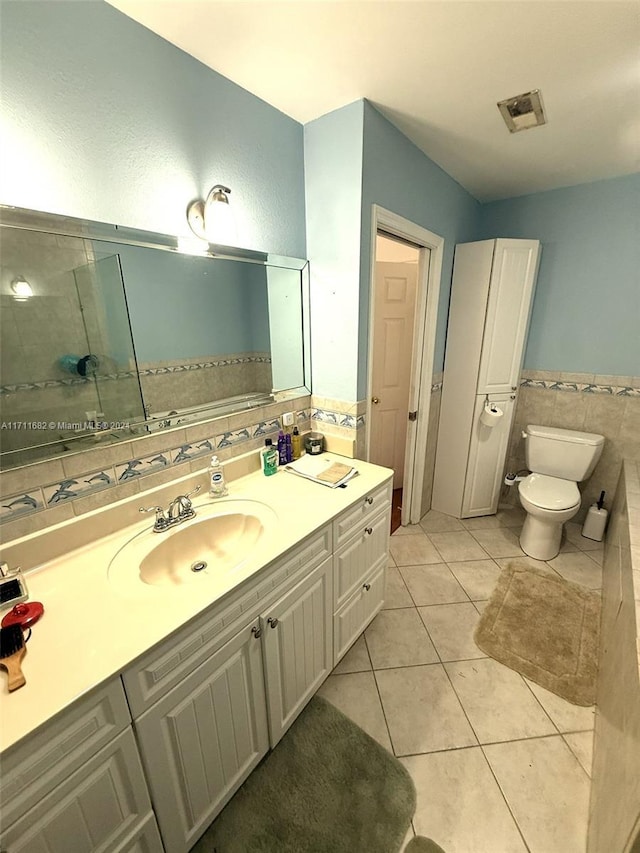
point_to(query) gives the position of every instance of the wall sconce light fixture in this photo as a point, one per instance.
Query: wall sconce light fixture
(212, 220)
(21, 288)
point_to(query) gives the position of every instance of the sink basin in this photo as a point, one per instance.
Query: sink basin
(218, 540)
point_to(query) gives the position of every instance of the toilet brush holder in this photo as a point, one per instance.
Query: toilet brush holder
(596, 521)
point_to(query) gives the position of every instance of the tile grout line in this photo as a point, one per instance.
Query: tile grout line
(384, 715)
(504, 796)
(517, 825)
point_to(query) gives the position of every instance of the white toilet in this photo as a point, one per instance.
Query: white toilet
(558, 459)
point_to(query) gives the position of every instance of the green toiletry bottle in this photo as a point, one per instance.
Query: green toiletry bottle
(269, 456)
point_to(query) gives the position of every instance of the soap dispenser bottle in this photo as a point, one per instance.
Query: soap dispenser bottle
(217, 485)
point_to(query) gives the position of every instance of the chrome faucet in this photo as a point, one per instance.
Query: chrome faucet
(180, 509)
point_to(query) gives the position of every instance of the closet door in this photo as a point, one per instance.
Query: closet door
(513, 277)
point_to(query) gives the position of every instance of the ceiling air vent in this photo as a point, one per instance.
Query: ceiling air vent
(523, 112)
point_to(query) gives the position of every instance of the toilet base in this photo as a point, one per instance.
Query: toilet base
(540, 539)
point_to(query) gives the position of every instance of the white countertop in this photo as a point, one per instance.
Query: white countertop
(92, 629)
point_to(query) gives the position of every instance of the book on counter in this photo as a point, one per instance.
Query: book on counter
(322, 469)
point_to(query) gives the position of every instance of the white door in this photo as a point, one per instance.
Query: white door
(298, 647)
(393, 330)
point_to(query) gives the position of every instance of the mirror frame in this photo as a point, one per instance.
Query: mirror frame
(68, 226)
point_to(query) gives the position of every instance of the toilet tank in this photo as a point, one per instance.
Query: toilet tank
(564, 453)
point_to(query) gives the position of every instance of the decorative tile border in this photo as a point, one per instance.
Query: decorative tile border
(132, 374)
(66, 383)
(204, 365)
(68, 489)
(75, 487)
(338, 418)
(24, 503)
(581, 387)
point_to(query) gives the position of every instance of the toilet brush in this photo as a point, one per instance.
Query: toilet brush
(596, 520)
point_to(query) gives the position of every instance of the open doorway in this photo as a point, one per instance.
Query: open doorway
(406, 263)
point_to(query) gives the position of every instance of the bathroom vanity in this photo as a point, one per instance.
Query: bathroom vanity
(146, 706)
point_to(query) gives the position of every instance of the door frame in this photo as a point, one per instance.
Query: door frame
(424, 339)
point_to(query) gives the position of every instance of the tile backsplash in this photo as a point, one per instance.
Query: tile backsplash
(45, 493)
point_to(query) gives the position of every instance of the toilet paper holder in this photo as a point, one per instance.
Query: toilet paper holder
(491, 413)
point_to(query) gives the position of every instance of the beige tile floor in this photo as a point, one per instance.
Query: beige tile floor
(500, 764)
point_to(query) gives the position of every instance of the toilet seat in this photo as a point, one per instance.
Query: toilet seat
(550, 493)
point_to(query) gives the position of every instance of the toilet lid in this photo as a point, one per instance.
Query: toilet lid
(550, 492)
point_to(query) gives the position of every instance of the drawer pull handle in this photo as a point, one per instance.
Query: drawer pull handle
(257, 632)
(368, 530)
(367, 586)
(368, 501)
(272, 621)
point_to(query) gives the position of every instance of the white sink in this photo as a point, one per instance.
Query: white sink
(220, 539)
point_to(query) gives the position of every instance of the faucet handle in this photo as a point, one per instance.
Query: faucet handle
(193, 492)
(161, 523)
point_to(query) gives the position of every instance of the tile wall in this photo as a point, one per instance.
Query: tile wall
(615, 793)
(608, 405)
(45, 493)
(178, 384)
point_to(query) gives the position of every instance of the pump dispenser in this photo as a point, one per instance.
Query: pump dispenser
(217, 485)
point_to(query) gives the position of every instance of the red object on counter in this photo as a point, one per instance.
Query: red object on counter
(24, 614)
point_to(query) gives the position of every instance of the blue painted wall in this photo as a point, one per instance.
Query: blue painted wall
(333, 181)
(399, 177)
(586, 311)
(102, 119)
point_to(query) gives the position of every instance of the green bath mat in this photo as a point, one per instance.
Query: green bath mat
(326, 788)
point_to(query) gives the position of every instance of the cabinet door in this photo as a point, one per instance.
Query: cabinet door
(298, 647)
(203, 739)
(98, 807)
(513, 277)
(356, 613)
(487, 454)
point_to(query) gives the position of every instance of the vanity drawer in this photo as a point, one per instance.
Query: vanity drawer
(358, 516)
(356, 613)
(166, 665)
(353, 561)
(33, 769)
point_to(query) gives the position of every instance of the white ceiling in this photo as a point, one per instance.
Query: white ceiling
(436, 70)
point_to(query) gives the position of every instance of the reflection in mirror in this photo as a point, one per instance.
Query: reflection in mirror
(122, 334)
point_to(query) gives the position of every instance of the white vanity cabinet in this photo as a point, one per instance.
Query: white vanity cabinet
(78, 784)
(189, 719)
(210, 701)
(361, 555)
(204, 738)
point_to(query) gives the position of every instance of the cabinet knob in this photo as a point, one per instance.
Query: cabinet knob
(375, 400)
(368, 501)
(257, 632)
(368, 530)
(514, 387)
(272, 621)
(366, 586)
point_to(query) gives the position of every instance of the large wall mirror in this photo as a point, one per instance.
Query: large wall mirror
(107, 332)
